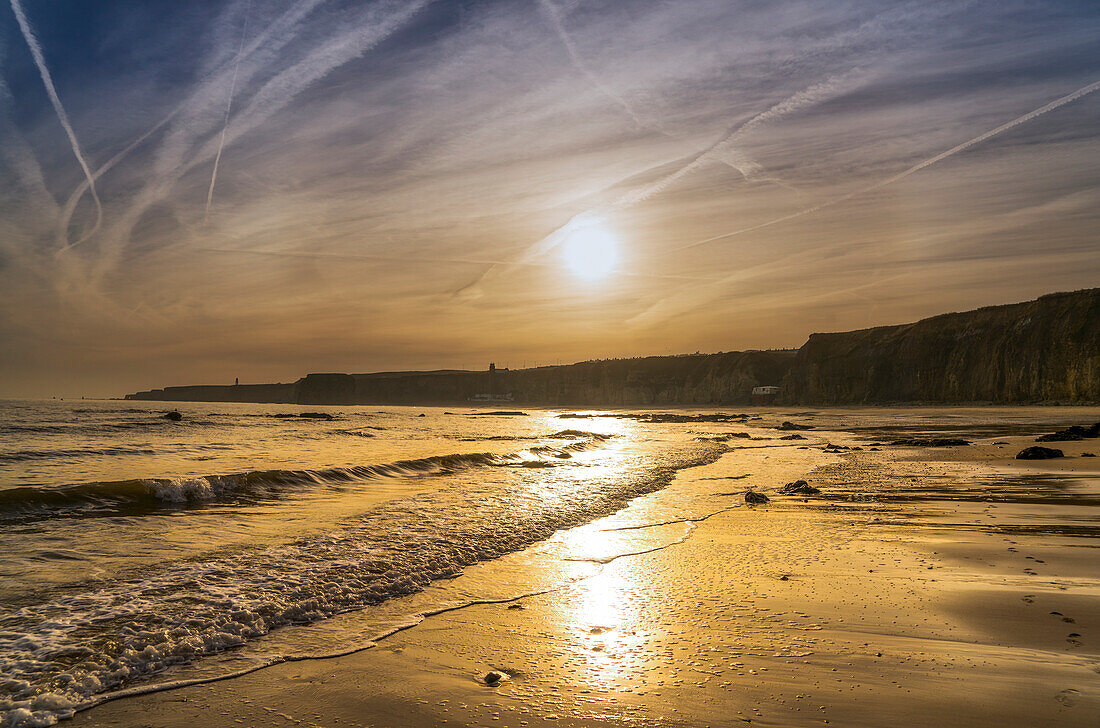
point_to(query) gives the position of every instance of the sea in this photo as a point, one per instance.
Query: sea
(141, 551)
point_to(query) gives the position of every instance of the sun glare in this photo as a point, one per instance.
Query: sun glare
(591, 252)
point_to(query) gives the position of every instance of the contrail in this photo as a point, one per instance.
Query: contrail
(70, 204)
(553, 14)
(62, 117)
(272, 39)
(812, 95)
(228, 109)
(668, 306)
(406, 259)
(379, 22)
(1068, 98)
(19, 157)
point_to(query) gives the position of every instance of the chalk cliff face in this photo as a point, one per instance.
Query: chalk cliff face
(1047, 350)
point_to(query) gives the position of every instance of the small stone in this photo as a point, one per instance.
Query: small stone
(754, 498)
(174, 415)
(492, 678)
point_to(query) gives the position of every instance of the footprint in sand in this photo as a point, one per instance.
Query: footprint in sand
(1068, 697)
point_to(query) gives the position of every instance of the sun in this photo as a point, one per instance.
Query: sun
(591, 252)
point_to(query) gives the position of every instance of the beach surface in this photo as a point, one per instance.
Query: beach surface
(924, 586)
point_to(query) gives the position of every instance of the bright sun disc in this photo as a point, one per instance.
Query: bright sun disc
(591, 252)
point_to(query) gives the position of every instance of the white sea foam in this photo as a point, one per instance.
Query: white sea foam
(81, 646)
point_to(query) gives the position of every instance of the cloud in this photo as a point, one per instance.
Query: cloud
(380, 155)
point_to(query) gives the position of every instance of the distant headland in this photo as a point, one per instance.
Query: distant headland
(1041, 351)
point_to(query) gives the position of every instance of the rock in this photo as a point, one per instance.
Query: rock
(753, 498)
(931, 441)
(1071, 433)
(422, 415)
(788, 425)
(1036, 452)
(493, 678)
(792, 437)
(516, 606)
(317, 416)
(1088, 454)
(799, 487)
(174, 415)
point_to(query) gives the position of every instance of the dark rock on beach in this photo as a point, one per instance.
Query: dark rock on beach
(1036, 452)
(799, 487)
(788, 425)
(753, 498)
(174, 415)
(931, 441)
(792, 437)
(493, 678)
(1071, 433)
(305, 415)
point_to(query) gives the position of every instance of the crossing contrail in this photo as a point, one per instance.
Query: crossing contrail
(553, 13)
(273, 38)
(722, 146)
(1068, 98)
(228, 109)
(62, 117)
(679, 303)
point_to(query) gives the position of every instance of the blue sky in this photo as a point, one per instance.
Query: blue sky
(399, 184)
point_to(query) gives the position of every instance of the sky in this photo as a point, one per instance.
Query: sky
(194, 192)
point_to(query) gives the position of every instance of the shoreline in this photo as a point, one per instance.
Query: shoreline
(801, 612)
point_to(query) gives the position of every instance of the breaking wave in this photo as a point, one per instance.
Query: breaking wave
(28, 502)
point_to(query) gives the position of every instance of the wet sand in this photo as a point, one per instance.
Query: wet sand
(924, 587)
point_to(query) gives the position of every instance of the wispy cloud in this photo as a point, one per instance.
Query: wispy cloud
(767, 168)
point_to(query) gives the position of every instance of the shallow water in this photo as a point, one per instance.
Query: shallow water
(139, 551)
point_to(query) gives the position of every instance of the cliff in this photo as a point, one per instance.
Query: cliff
(689, 379)
(1047, 350)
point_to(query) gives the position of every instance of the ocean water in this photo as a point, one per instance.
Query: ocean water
(137, 552)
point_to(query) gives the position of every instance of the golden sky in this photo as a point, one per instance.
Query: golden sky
(287, 186)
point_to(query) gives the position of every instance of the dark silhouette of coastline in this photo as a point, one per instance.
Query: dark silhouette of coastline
(1041, 351)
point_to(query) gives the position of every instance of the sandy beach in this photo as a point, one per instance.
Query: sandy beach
(948, 586)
